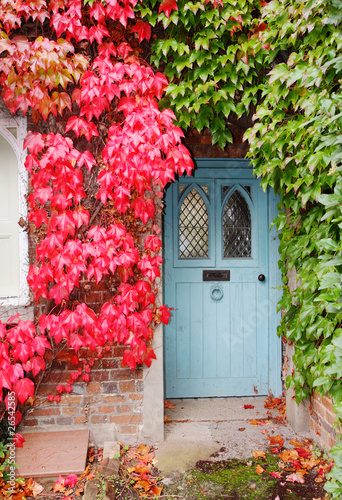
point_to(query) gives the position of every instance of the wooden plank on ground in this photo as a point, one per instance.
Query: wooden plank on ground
(52, 453)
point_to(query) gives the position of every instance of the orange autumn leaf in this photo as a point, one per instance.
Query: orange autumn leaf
(143, 449)
(259, 422)
(142, 469)
(156, 491)
(259, 454)
(167, 419)
(167, 404)
(276, 441)
(296, 443)
(32, 489)
(310, 463)
(145, 485)
(288, 455)
(259, 470)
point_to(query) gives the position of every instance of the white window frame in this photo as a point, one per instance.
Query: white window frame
(8, 121)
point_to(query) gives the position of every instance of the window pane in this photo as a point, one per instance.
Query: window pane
(236, 226)
(193, 227)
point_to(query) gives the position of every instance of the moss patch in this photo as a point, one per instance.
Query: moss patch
(238, 480)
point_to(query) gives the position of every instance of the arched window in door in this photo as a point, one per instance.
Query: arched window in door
(193, 227)
(236, 227)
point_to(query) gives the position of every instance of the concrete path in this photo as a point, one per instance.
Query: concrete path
(216, 429)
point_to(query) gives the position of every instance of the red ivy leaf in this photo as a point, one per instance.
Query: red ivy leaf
(167, 6)
(143, 29)
(24, 389)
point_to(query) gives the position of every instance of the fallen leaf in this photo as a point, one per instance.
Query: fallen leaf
(242, 429)
(167, 419)
(276, 474)
(302, 452)
(259, 470)
(156, 490)
(288, 456)
(59, 485)
(71, 480)
(253, 422)
(296, 443)
(167, 404)
(259, 422)
(295, 478)
(318, 480)
(276, 441)
(145, 485)
(32, 489)
(247, 407)
(259, 454)
(143, 449)
(310, 464)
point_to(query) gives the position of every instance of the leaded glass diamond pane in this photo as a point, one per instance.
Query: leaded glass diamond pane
(193, 227)
(237, 229)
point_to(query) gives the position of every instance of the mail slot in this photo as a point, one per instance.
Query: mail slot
(216, 275)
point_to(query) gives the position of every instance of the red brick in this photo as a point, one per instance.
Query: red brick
(122, 374)
(136, 419)
(64, 420)
(69, 410)
(330, 417)
(331, 441)
(109, 387)
(30, 422)
(124, 408)
(99, 376)
(106, 409)
(80, 420)
(42, 412)
(99, 419)
(127, 386)
(108, 398)
(136, 397)
(71, 400)
(118, 352)
(47, 421)
(328, 404)
(90, 400)
(119, 419)
(94, 388)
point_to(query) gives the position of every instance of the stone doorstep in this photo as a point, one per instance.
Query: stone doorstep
(48, 454)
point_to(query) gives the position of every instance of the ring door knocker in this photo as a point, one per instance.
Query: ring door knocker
(216, 292)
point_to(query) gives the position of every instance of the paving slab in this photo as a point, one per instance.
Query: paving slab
(216, 429)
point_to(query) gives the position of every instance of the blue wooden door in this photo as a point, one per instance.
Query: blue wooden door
(216, 279)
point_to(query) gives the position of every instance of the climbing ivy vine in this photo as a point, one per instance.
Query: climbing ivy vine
(295, 145)
(214, 59)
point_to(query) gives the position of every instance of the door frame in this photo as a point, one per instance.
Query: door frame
(153, 397)
(274, 278)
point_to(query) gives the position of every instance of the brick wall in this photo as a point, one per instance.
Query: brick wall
(110, 405)
(322, 418)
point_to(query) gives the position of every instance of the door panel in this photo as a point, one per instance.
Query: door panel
(216, 343)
